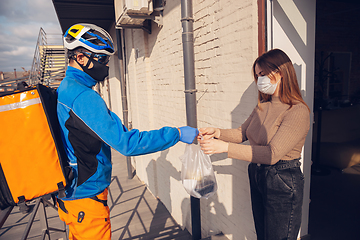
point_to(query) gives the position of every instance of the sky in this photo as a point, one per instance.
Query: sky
(20, 23)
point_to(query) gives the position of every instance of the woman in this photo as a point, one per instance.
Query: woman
(276, 130)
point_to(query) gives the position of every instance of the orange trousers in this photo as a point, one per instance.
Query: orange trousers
(88, 219)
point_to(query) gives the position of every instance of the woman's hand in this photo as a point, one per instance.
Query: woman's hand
(208, 133)
(210, 146)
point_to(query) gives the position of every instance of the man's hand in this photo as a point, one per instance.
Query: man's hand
(188, 134)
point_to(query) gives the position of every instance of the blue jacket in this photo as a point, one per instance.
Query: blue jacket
(90, 129)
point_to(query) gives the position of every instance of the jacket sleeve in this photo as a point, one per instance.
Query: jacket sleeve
(92, 110)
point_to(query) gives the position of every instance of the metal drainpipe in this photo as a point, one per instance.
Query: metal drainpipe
(123, 93)
(190, 96)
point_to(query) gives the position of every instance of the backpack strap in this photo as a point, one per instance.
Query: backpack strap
(22, 205)
(61, 205)
(99, 200)
(61, 190)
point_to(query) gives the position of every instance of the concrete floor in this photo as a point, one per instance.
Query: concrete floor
(135, 213)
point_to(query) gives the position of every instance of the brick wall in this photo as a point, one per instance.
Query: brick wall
(225, 35)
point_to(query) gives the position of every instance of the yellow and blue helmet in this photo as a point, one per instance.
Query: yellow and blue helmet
(90, 37)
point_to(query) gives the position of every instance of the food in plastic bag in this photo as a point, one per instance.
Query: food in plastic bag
(197, 173)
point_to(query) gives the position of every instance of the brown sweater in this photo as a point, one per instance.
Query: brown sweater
(276, 132)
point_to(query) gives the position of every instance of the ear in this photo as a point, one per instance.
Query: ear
(80, 58)
(278, 76)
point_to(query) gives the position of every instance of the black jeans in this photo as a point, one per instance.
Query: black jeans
(276, 198)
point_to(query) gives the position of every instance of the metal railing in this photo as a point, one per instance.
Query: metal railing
(49, 62)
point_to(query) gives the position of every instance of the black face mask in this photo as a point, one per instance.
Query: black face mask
(98, 72)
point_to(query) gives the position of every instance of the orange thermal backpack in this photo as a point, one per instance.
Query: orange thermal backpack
(33, 161)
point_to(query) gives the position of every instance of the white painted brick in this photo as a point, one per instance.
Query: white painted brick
(225, 47)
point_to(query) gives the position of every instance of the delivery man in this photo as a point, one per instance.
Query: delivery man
(90, 130)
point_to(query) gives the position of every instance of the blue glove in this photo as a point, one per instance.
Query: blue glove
(188, 134)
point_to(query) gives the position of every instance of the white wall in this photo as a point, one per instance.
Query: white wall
(114, 93)
(225, 35)
(225, 47)
(292, 29)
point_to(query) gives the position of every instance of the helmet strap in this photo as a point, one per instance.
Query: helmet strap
(98, 72)
(88, 62)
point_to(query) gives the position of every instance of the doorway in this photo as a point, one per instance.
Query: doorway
(334, 211)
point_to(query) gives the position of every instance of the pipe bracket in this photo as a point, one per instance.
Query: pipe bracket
(190, 91)
(187, 19)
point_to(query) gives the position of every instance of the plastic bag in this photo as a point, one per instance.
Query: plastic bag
(197, 174)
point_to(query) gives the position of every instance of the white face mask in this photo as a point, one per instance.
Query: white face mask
(265, 86)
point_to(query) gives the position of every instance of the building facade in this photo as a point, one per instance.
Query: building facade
(226, 43)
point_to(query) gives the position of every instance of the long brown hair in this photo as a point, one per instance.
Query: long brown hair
(276, 60)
